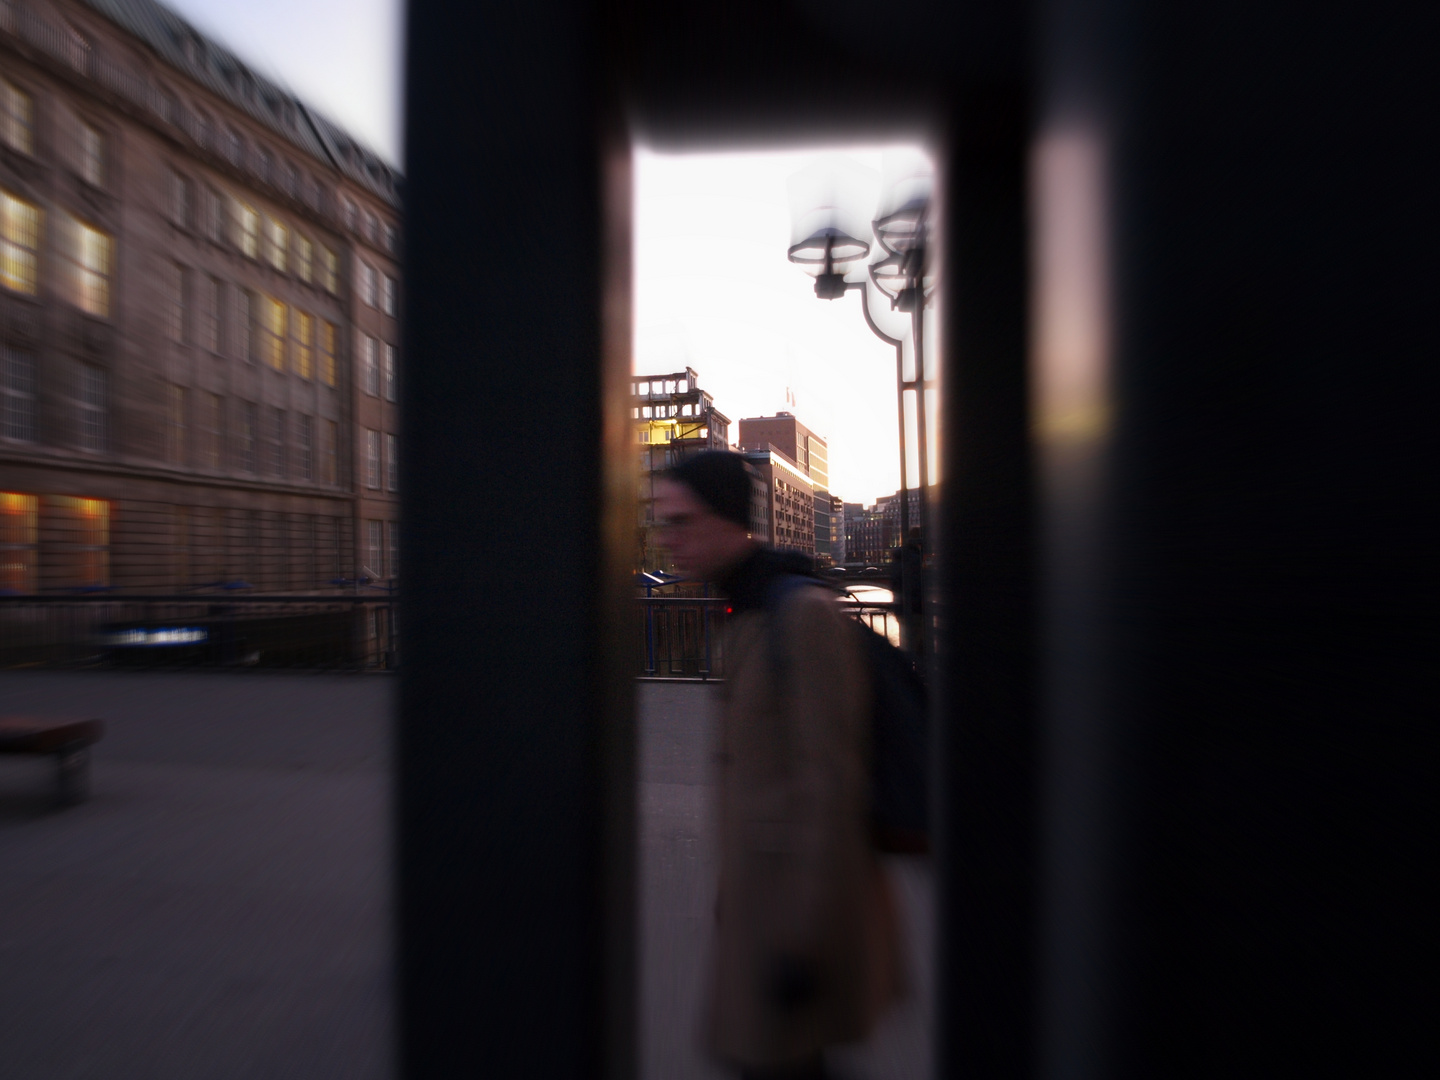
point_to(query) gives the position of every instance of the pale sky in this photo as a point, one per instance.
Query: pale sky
(714, 290)
(343, 57)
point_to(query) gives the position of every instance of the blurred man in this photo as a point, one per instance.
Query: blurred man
(806, 946)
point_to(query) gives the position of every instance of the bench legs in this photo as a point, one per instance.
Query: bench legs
(72, 774)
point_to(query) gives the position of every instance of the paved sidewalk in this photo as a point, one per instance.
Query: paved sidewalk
(219, 908)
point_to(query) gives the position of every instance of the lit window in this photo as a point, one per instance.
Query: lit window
(247, 229)
(389, 371)
(329, 271)
(392, 464)
(270, 341)
(81, 528)
(372, 459)
(92, 155)
(304, 258)
(19, 542)
(17, 118)
(277, 243)
(303, 325)
(19, 242)
(87, 253)
(17, 394)
(93, 399)
(328, 366)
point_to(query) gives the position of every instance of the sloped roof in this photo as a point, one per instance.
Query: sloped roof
(209, 63)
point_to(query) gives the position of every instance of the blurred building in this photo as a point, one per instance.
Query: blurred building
(673, 418)
(199, 305)
(870, 535)
(789, 505)
(837, 530)
(811, 454)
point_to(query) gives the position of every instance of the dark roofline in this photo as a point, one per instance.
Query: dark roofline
(204, 60)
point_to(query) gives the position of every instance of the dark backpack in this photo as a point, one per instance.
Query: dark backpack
(899, 731)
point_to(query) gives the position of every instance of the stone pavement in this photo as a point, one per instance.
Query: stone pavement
(220, 907)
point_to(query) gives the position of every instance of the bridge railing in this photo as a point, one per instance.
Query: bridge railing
(683, 637)
(200, 630)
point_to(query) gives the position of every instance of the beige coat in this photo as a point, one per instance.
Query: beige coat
(798, 875)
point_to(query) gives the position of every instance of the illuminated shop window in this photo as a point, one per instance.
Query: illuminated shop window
(19, 542)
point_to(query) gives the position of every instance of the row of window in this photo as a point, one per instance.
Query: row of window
(19, 409)
(199, 429)
(382, 466)
(660, 386)
(17, 131)
(260, 328)
(71, 537)
(86, 255)
(82, 144)
(657, 412)
(267, 239)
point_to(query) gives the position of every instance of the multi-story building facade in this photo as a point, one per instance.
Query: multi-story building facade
(811, 454)
(672, 419)
(789, 509)
(199, 305)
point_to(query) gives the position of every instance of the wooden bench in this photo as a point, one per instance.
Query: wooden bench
(67, 741)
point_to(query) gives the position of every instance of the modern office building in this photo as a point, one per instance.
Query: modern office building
(199, 305)
(811, 454)
(672, 418)
(789, 504)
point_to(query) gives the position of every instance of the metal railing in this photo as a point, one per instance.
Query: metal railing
(683, 637)
(357, 633)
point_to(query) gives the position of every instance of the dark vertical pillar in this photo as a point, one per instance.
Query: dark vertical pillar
(986, 655)
(1234, 545)
(514, 804)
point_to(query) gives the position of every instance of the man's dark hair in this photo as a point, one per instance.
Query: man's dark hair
(720, 479)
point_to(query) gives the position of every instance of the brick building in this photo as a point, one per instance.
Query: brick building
(199, 304)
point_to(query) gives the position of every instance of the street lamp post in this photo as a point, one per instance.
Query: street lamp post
(829, 249)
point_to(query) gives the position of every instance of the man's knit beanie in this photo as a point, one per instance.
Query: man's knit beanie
(721, 480)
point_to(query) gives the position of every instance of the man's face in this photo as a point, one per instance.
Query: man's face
(703, 544)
